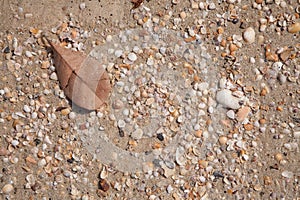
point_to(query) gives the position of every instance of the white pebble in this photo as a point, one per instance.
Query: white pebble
(197, 127)
(249, 35)
(212, 6)
(72, 115)
(230, 114)
(126, 112)
(169, 189)
(26, 109)
(287, 174)
(53, 76)
(230, 1)
(132, 57)
(150, 61)
(118, 53)
(42, 162)
(121, 123)
(28, 54)
(15, 142)
(202, 179)
(225, 98)
(82, 6)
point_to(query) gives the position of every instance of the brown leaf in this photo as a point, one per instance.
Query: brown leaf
(82, 78)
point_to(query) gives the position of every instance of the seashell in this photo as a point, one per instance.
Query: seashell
(103, 173)
(82, 78)
(179, 156)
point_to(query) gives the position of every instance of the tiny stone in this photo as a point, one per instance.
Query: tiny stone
(26, 109)
(294, 28)
(15, 143)
(225, 98)
(118, 53)
(109, 38)
(103, 185)
(287, 174)
(249, 35)
(252, 60)
(65, 111)
(212, 6)
(230, 114)
(202, 179)
(132, 57)
(3, 151)
(28, 15)
(242, 113)
(137, 134)
(28, 54)
(82, 6)
(53, 76)
(121, 123)
(297, 134)
(169, 189)
(118, 104)
(183, 15)
(223, 140)
(195, 5)
(72, 115)
(8, 188)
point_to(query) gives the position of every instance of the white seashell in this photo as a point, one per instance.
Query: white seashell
(179, 156)
(103, 173)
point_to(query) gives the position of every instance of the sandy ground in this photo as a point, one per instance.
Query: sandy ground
(254, 155)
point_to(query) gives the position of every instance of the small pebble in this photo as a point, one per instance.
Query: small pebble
(53, 76)
(242, 113)
(15, 143)
(137, 134)
(72, 115)
(287, 174)
(132, 57)
(82, 6)
(26, 108)
(121, 123)
(8, 188)
(225, 98)
(118, 53)
(28, 54)
(223, 140)
(294, 28)
(230, 114)
(212, 6)
(297, 134)
(249, 35)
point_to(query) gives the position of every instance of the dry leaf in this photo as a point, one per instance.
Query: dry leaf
(136, 3)
(81, 77)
